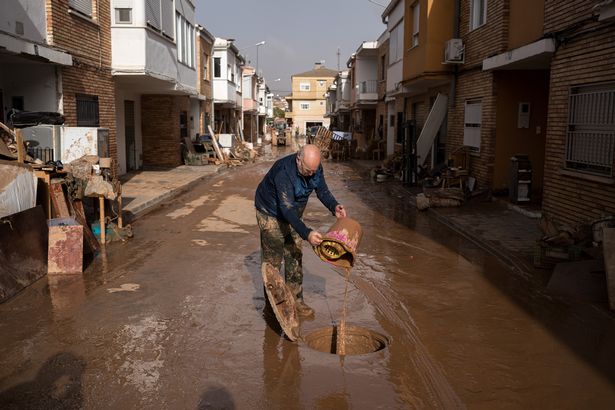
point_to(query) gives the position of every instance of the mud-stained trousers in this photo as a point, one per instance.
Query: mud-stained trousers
(279, 241)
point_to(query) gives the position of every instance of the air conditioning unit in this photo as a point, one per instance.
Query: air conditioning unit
(454, 51)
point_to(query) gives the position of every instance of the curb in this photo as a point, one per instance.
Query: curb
(147, 206)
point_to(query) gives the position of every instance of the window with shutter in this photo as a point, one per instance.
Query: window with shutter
(152, 13)
(473, 124)
(82, 6)
(168, 12)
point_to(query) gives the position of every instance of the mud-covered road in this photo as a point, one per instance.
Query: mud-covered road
(174, 318)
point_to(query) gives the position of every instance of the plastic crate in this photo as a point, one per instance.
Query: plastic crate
(546, 256)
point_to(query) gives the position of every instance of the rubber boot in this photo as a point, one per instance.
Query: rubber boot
(303, 310)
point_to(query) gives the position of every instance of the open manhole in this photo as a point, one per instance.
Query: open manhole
(357, 340)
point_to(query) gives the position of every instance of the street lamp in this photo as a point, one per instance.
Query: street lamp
(258, 102)
(261, 43)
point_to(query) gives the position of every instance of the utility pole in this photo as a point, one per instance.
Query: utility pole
(338, 59)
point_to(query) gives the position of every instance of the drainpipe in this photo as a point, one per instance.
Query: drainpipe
(456, 34)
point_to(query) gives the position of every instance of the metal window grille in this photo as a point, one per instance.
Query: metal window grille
(590, 138)
(87, 110)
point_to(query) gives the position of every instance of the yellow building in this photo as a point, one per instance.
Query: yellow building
(307, 104)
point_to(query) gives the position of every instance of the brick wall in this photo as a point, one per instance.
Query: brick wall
(587, 56)
(560, 14)
(89, 42)
(475, 85)
(488, 39)
(160, 128)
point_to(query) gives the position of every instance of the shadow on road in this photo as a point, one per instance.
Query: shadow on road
(56, 385)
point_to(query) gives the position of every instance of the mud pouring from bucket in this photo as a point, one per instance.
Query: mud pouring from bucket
(339, 248)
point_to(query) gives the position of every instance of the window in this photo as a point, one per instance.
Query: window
(217, 67)
(416, 16)
(304, 106)
(82, 6)
(396, 43)
(159, 16)
(185, 41)
(123, 16)
(472, 124)
(87, 110)
(304, 86)
(590, 137)
(478, 13)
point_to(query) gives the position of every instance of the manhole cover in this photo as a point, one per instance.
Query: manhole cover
(357, 340)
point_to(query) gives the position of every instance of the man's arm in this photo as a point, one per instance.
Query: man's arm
(286, 200)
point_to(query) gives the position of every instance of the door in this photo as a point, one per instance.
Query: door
(129, 132)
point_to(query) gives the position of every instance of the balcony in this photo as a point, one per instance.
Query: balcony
(368, 90)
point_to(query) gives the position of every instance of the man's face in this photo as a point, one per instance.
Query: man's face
(306, 169)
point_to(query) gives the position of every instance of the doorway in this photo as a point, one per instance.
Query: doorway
(129, 132)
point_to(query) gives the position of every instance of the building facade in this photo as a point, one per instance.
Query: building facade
(308, 99)
(154, 69)
(579, 183)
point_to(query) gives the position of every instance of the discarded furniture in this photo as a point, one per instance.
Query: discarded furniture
(23, 250)
(17, 188)
(65, 252)
(378, 152)
(520, 178)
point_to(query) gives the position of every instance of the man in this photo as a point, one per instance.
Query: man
(280, 200)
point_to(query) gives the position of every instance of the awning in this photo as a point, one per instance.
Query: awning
(19, 46)
(534, 56)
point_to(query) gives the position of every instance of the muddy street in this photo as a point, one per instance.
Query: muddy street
(175, 318)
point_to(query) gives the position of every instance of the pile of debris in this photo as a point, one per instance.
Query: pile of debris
(52, 214)
(236, 153)
(564, 243)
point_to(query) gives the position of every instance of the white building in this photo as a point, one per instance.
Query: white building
(393, 17)
(227, 72)
(153, 64)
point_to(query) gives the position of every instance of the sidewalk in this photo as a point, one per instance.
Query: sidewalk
(142, 190)
(505, 230)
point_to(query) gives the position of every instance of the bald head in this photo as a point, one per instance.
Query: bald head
(308, 159)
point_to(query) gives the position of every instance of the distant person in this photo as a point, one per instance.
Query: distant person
(280, 201)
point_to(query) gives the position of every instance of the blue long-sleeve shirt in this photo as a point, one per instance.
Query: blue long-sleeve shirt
(283, 193)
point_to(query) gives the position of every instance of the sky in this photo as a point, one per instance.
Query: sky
(296, 33)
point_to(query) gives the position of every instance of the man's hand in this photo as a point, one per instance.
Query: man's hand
(340, 211)
(314, 238)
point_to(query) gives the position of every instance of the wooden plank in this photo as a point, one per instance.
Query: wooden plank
(90, 238)
(103, 233)
(43, 191)
(21, 152)
(58, 200)
(219, 153)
